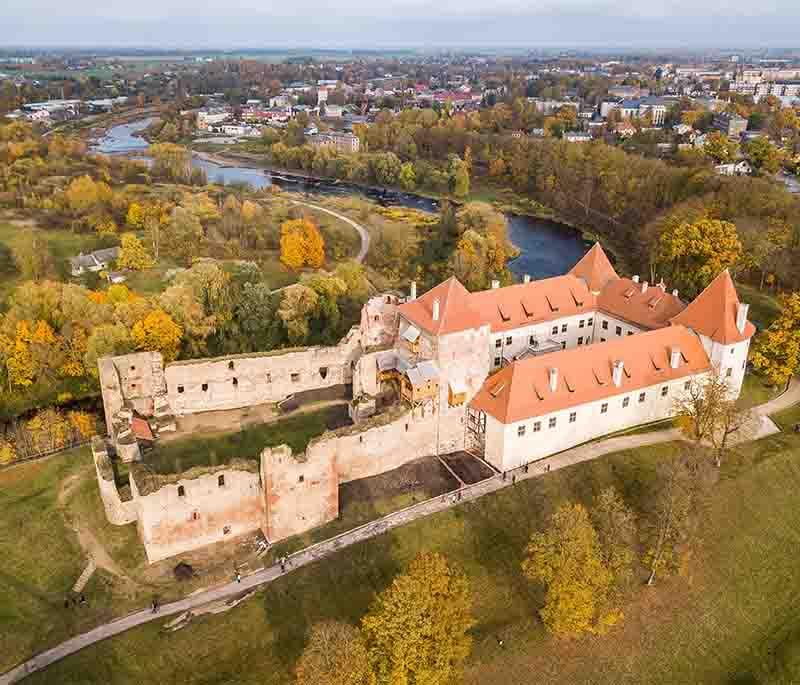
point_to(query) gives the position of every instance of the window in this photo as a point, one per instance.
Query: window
(133, 386)
(181, 491)
(642, 396)
(625, 402)
(552, 422)
(573, 416)
(520, 431)
(563, 345)
(563, 328)
(532, 340)
(133, 368)
(604, 408)
(204, 387)
(180, 389)
(590, 323)
(498, 343)
(497, 361)
(361, 438)
(581, 323)
(618, 330)
(630, 332)
(687, 385)
(226, 530)
(301, 479)
(221, 481)
(744, 364)
(732, 350)
(555, 330)
(195, 516)
(602, 339)
(295, 377)
(580, 340)
(728, 373)
(376, 318)
(537, 426)
(508, 340)
(235, 381)
(269, 378)
(664, 391)
(604, 325)
(230, 366)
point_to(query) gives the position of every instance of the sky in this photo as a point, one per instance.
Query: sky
(400, 23)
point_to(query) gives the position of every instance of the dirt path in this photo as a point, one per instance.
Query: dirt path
(314, 553)
(362, 232)
(86, 538)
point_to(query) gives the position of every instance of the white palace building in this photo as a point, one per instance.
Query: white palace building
(564, 360)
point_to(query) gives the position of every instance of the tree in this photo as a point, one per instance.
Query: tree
(107, 340)
(158, 332)
(298, 304)
(615, 524)
(733, 421)
(568, 560)
(335, 653)
(763, 155)
(135, 216)
(777, 350)
(301, 244)
(408, 178)
(417, 629)
(459, 177)
(32, 255)
(133, 254)
(693, 253)
(181, 236)
(698, 407)
(720, 148)
(671, 516)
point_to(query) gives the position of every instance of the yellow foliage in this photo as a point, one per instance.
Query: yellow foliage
(301, 244)
(83, 423)
(133, 254)
(7, 452)
(158, 332)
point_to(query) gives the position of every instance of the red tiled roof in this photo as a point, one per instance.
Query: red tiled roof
(141, 429)
(650, 309)
(455, 313)
(522, 390)
(595, 269)
(713, 313)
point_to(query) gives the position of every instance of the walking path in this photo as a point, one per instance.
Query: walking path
(362, 232)
(232, 590)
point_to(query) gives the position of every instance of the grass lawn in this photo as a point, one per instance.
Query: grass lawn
(41, 560)
(730, 616)
(295, 431)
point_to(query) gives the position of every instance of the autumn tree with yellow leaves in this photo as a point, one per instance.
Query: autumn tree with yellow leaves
(417, 629)
(302, 244)
(157, 332)
(335, 653)
(568, 560)
(777, 350)
(133, 254)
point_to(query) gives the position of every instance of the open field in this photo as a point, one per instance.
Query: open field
(731, 615)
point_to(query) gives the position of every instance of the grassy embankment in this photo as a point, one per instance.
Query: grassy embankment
(731, 615)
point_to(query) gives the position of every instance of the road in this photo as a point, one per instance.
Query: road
(330, 546)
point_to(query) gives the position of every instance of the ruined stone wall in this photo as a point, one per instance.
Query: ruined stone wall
(205, 511)
(300, 493)
(245, 380)
(117, 512)
(379, 320)
(365, 375)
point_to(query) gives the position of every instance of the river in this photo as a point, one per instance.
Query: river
(546, 248)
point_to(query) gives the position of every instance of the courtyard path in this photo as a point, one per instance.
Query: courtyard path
(309, 555)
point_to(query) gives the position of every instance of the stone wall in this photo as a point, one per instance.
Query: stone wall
(199, 508)
(245, 380)
(117, 512)
(379, 318)
(300, 492)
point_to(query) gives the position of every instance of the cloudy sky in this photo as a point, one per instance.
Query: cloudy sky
(396, 23)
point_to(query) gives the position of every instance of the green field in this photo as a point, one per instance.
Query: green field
(730, 616)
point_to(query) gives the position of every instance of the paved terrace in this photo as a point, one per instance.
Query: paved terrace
(233, 590)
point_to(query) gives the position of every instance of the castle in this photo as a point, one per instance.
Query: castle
(510, 374)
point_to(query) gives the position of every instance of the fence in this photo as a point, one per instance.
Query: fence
(44, 455)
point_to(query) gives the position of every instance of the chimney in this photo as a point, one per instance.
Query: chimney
(741, 316)
(436, 309)
(526, 278)
(616, 375)
(674, 357)
(675, 293)
(495, 285)
(413, 294)
(635, 279)
(553, 373)
(645, 286)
